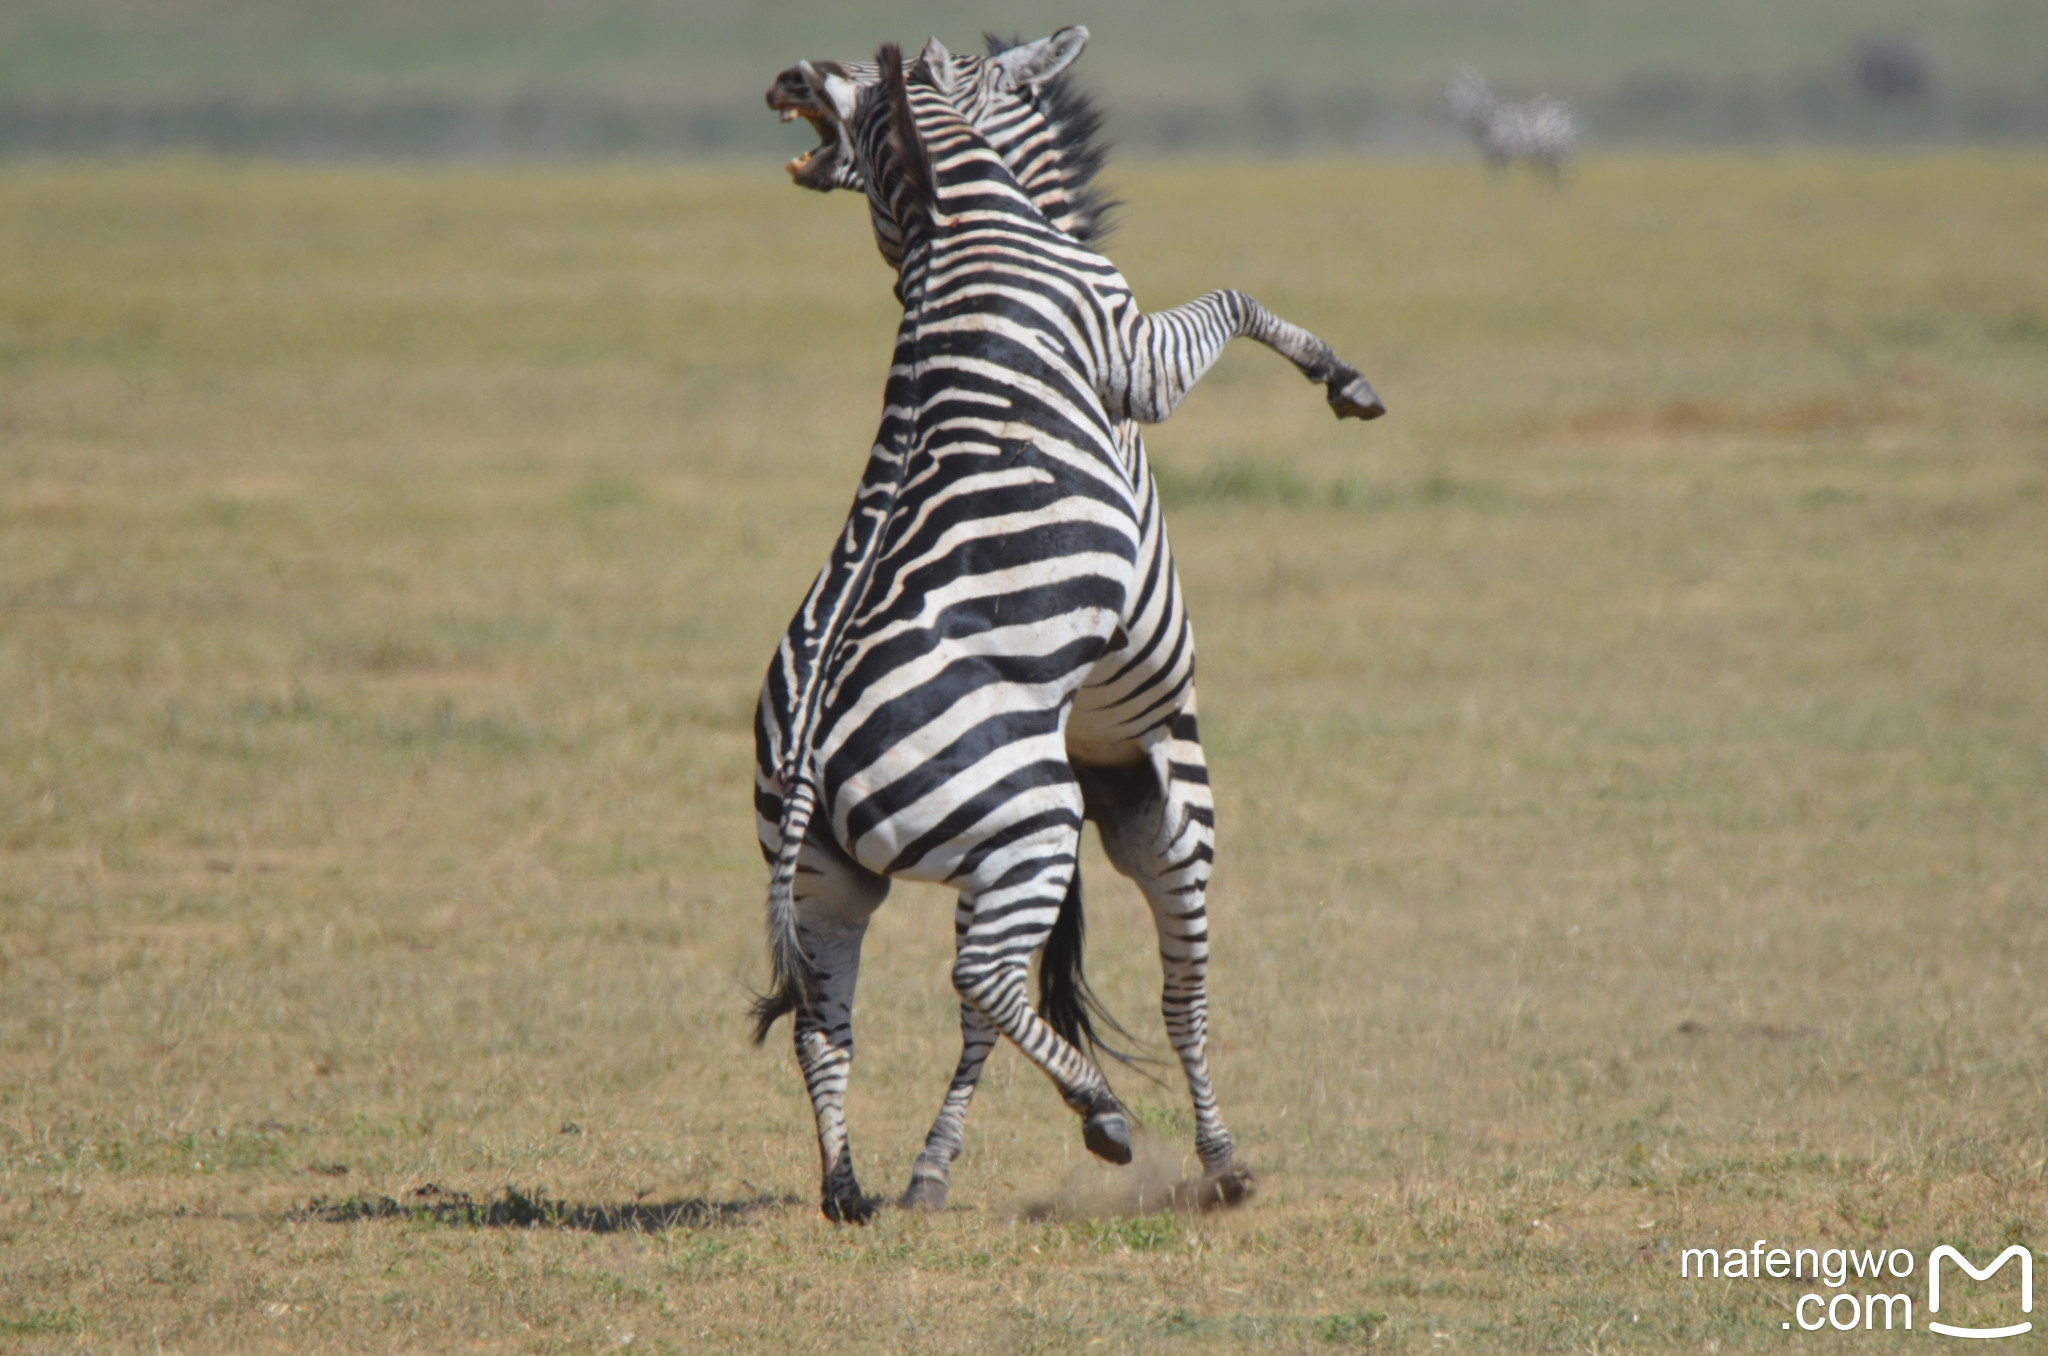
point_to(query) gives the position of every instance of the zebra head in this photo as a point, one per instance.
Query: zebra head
(823, 93)
(861, 145)
(1016, 97)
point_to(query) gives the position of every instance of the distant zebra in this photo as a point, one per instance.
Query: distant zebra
(1538, 130)
(996, 647)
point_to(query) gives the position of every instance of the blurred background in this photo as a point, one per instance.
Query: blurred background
(496, 79)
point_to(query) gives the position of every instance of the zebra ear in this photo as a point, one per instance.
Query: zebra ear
(938, 65)
(1034, 63)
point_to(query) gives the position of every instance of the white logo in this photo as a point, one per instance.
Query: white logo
(2026, 1289)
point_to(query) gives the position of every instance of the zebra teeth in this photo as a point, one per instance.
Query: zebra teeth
(788, 115)
(798, 163)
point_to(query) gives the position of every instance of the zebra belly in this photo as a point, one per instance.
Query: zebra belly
(965, 742)
(1140, 685)
(1128, 696)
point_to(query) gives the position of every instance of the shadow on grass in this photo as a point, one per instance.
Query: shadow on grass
(517, 1209)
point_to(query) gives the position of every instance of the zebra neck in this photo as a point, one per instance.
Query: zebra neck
(974, 185)
(913, 267)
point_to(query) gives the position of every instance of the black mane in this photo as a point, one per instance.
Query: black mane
(912, 165)
(1077, 129)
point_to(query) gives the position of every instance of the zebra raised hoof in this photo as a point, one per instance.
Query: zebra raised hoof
(997, 647)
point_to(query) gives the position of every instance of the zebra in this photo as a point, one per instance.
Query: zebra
(908, 726)
(1044, 132)
(1539, 130)
(1018, 99)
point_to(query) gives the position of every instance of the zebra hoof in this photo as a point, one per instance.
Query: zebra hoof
(924, 1193)
(1108, 1136)
(1352, 397)
(848, 1208)
(1229, 1189)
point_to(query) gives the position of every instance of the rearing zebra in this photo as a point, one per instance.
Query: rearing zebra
(996, 647)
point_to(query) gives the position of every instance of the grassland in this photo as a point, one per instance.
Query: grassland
(1633, 762)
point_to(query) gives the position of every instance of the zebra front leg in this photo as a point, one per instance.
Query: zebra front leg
(931, 1175)
(1171, 350)
(990, 970)
(835, 897)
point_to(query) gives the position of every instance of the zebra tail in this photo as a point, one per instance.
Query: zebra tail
(795, 982)
(1066, 999)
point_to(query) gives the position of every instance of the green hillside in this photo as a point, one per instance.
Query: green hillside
(1281, 75)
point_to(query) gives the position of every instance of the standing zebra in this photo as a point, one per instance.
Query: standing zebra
(996, 647)
(1539, 130)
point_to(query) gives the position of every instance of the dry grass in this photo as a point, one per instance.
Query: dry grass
(1633, 759)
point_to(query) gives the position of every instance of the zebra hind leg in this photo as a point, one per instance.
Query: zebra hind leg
(931, 1176)
(1158, 828)
(835, 897)
(1010, 922)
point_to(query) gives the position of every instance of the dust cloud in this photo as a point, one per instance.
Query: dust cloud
(1154, 1180)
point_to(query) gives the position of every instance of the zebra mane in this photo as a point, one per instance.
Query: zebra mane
(1077, 134)
(911, 162)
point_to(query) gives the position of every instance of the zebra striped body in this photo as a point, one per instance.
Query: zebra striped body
(997, 647)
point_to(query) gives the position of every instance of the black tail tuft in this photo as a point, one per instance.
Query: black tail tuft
(769, 1008)
(1065, 998)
